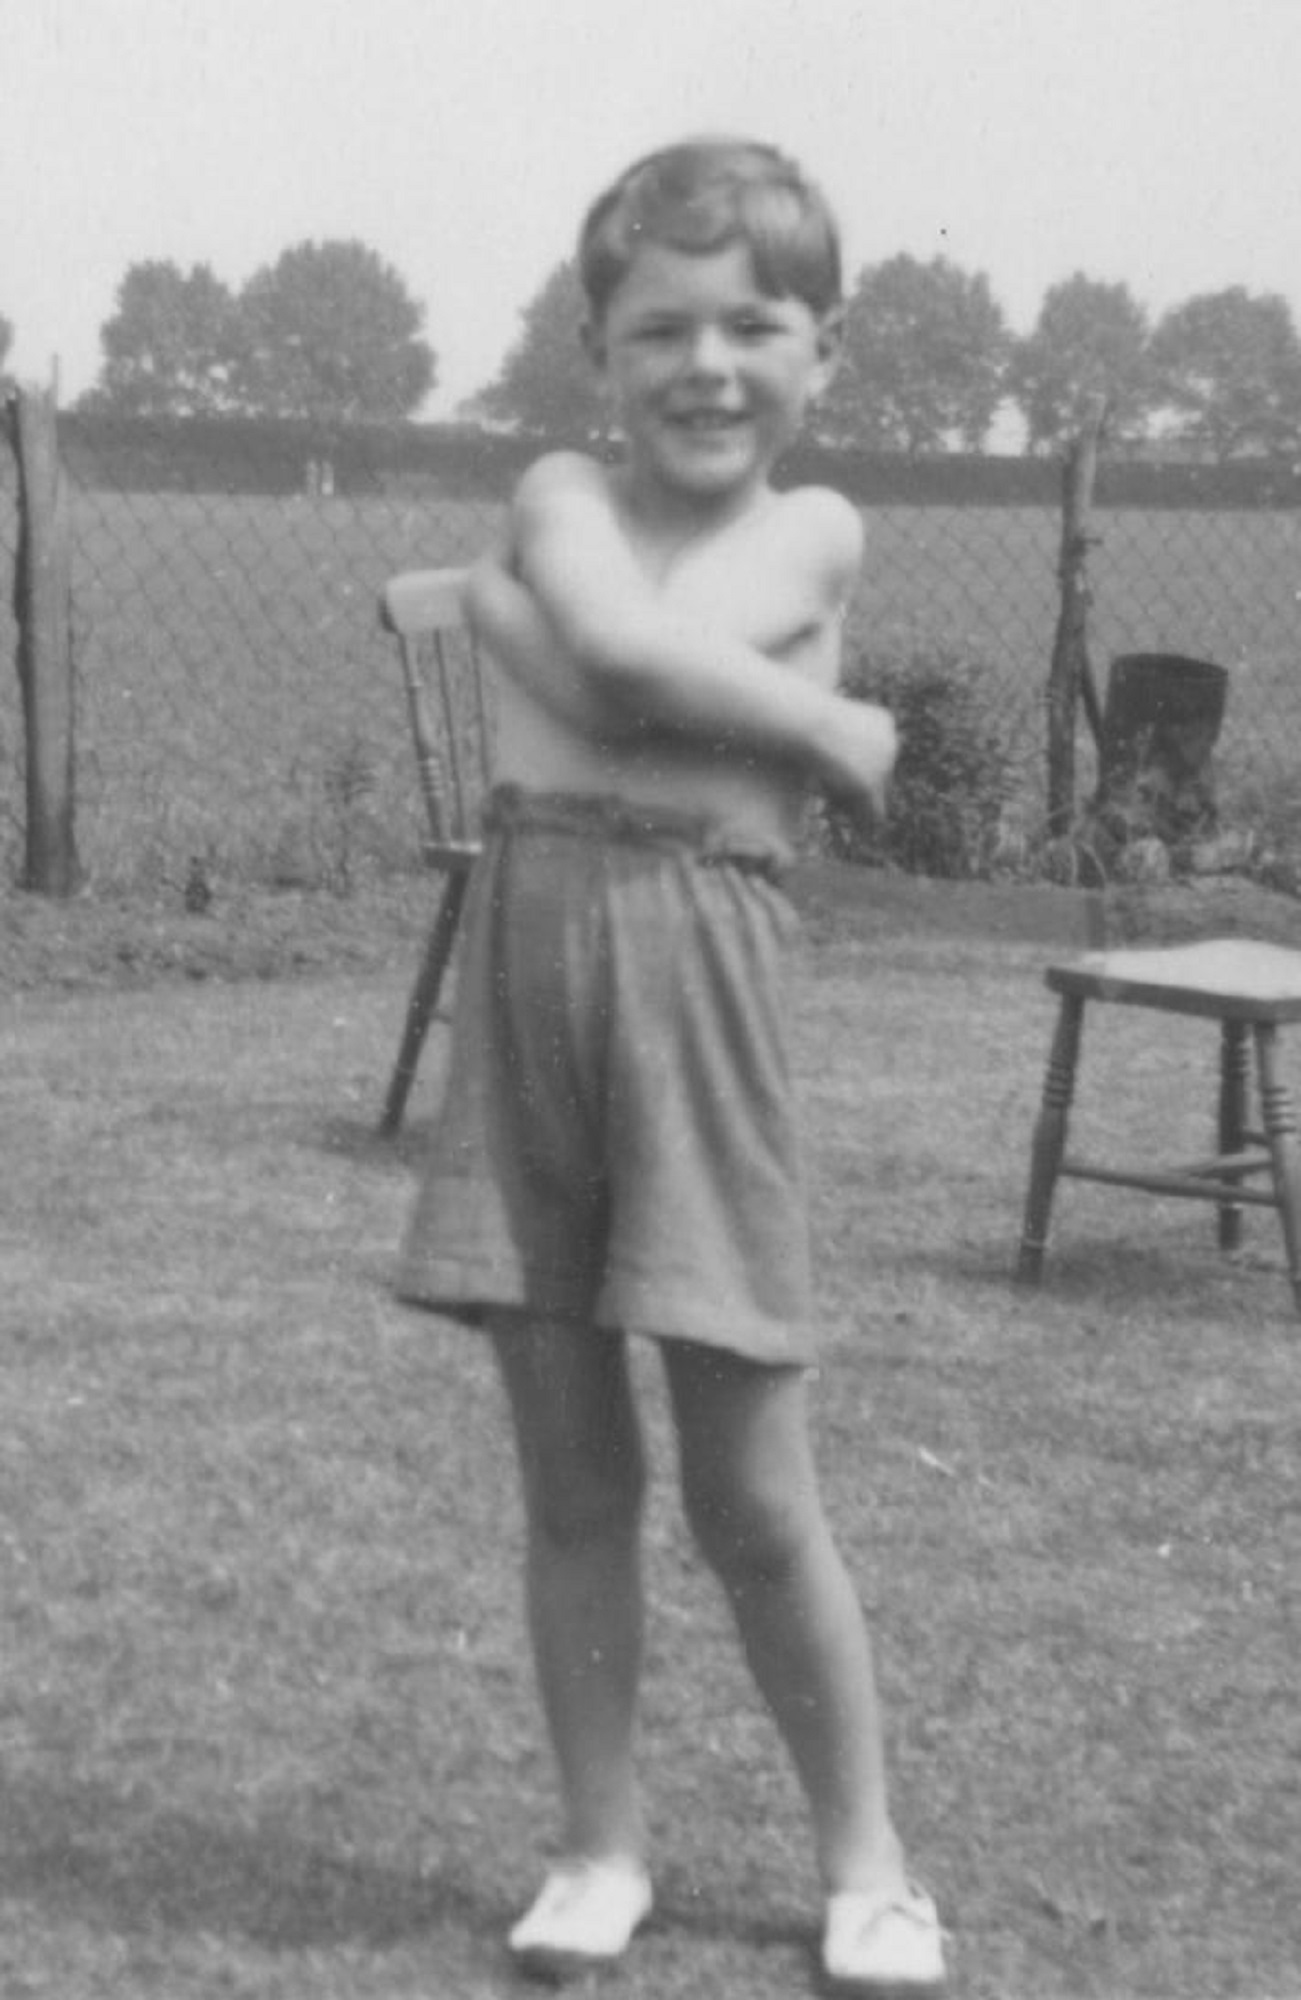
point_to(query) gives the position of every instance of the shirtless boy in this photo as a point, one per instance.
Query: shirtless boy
(617, 1151)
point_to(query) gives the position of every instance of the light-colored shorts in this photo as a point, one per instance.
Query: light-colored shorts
(617, 1139)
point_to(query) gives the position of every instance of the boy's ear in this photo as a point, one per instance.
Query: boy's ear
(831, 347)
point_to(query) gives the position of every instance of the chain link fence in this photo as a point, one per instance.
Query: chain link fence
(238, 703)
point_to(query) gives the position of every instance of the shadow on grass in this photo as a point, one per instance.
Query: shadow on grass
(83, 1853)
(361, 1140)
(679, 1912)
(1189, 1279)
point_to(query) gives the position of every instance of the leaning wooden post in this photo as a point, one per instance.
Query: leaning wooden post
(43, 609)
(1069, 674)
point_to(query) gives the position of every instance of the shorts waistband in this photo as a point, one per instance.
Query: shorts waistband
(606, 816)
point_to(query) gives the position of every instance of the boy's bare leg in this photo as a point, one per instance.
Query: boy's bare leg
(583, 1477)
(751, 1496)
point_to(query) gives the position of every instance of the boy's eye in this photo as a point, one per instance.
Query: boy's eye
(754, 326)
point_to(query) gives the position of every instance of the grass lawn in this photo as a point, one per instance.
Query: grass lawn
(267, 1726)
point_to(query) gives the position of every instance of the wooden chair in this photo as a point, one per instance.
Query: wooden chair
(451, 727)
(1251, 990)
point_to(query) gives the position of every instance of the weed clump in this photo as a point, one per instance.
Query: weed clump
(952, 782)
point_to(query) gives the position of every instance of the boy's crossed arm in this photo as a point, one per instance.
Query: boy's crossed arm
(640, 661)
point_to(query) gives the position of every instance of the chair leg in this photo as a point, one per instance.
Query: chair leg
(1281, 1133)
(424, 999)
(1235, 1075)
(1049, 1141)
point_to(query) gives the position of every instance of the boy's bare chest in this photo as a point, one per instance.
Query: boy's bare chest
(749, 583)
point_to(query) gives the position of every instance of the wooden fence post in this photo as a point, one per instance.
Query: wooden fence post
(43, 609)
(1070, 676)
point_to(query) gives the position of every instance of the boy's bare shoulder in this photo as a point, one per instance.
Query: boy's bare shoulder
(563, 494)
(827, 531)
(560, 475)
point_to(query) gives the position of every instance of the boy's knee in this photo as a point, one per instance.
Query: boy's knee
(747, 1537)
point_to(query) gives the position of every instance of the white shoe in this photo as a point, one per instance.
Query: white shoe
(583, 1919)
(883, 1947)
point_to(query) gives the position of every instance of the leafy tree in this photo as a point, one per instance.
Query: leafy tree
(169, 347)
(1090, 340)
(330, 332)
(925, 352)
(546, 382)
(1230, 371)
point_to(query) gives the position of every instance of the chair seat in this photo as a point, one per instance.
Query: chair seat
(1224, 978)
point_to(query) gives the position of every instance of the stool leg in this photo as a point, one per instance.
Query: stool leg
(1235, 1074)
(1049, 1141)
(1281, 1133)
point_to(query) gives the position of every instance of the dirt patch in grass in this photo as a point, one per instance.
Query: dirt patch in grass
(1214, 906)
(258, 933)
(245, 933)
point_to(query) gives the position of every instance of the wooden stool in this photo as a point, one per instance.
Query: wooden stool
(1251, 990)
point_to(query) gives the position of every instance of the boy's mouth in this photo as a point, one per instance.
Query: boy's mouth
(707, 420)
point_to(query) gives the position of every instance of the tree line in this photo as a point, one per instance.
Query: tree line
(930, 362)
(330, 333)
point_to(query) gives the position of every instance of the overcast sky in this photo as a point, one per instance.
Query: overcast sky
(1154, 141)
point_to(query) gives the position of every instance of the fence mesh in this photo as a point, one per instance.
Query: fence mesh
(237, 700)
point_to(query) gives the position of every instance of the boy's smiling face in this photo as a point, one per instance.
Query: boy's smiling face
(710, 375)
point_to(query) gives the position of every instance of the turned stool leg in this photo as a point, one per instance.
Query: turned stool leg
(1235, 1075)
(1281, 1134)
(1049, 1141)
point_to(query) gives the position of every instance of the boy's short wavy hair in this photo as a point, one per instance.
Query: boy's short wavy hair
(702, 195)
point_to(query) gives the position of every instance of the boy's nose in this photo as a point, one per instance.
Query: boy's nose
(709, 353)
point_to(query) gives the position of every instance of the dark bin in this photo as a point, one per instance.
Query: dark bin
(1160, 723)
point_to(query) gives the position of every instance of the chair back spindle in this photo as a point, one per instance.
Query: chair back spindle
(422, 736)
(448, 706)
(451, 720)
(452, 727)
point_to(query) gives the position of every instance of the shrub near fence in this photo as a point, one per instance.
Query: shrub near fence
(979, 585)
(237, 701)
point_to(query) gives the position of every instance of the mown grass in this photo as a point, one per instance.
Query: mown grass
(238, 701)
(266, 1723)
